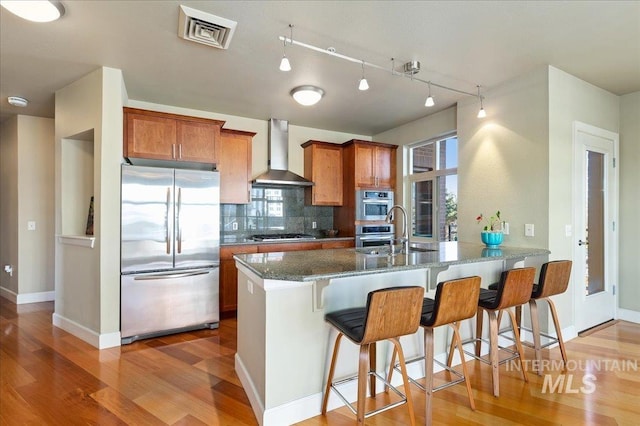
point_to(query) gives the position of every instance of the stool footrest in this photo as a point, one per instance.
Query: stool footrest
(514, 354)
(552, 339)
(460, 378)
(377, 410)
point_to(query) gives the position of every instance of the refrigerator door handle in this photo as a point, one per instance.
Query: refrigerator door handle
(170, 276)
(167, 239)
(178, 223)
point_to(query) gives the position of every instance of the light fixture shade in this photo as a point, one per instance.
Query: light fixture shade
(429, 102)
(307, 95)
(284, 64)
(363, 84)
(482, 113)
(17, 101)
(35, 11)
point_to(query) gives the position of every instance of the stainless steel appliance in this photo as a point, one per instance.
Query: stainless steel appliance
(374, 235)
(373, 205)
(170, 251)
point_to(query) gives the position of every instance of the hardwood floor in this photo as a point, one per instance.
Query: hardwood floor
(49, 377)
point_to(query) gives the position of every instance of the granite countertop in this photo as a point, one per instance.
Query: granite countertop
(335, 263)
(238, 241)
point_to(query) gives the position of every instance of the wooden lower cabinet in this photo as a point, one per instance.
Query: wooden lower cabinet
(338, 244)
(229, 276)
(229, 273)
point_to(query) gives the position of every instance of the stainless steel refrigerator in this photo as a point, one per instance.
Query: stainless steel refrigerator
(170, 251)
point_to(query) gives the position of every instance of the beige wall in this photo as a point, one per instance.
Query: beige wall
(570, 100)
(629, 162)
(9, 206)
(27, 171)
(503, 160)
(89, 111)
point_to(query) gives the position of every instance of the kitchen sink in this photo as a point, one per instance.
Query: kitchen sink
(420, 249)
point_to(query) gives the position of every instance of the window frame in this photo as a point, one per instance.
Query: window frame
(435, 176)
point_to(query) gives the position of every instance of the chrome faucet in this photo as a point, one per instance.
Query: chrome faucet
(404, 240)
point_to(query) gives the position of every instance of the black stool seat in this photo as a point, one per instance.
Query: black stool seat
(428, 307)
(534, 292)
(349, 322)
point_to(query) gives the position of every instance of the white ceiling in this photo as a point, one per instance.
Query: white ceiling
(459, 44)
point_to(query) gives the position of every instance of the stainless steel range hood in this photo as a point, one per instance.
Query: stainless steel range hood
(278, 147)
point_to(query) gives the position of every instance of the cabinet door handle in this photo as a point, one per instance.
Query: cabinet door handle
(180, 151)
(173, 150)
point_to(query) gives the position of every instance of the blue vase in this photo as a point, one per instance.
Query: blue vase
(492, 239)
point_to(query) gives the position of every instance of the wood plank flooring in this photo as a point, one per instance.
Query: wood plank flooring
(48, 377)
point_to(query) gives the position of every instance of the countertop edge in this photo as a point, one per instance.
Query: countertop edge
(269, 275)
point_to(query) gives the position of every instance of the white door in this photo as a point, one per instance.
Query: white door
(595, 216)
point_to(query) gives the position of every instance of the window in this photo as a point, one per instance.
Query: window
(433, 180)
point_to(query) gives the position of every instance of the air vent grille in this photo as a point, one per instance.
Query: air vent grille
(204, 28)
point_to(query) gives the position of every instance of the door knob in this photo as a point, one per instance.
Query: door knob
(583, 243)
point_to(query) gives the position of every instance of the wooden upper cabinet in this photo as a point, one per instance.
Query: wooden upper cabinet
(197, 141)
(160, 136)
(373, 164)
(235, 166)
(323, 166)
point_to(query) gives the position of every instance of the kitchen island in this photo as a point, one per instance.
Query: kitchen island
(284, 343)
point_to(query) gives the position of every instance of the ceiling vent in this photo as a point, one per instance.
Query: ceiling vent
(205, 28)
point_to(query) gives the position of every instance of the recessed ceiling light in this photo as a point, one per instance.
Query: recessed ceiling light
(35, 10)
(17, 101)
(307, 95)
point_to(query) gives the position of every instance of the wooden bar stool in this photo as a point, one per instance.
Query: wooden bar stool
(514, 289)
(554, 279)
(455, 301)
(389, 314)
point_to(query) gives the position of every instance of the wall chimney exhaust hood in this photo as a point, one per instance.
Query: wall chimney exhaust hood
(278, 147)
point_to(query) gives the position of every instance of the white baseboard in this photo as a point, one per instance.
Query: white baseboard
(100, 341)
(309, 406)
(628, 315)
(20, 299)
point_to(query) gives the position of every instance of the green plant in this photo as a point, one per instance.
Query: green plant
(493, 223)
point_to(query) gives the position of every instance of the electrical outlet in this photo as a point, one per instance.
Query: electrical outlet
(567, 230)
(505, 228)
(314, 225)
(234, 226)
(31, 225)
(529, 230)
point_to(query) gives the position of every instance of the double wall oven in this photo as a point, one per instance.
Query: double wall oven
(372, 207)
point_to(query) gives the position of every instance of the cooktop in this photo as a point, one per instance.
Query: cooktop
(281, 237)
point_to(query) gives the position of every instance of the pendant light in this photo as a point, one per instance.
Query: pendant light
(481, 113)
(363, 81)
(429, 102)
(284, 63)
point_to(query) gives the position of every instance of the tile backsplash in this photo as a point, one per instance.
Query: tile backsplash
(274, 210)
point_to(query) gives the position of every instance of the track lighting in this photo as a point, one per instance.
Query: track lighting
(429, 102)
(363, 81)
(410, 69)
(481, 113)
(284, 63)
